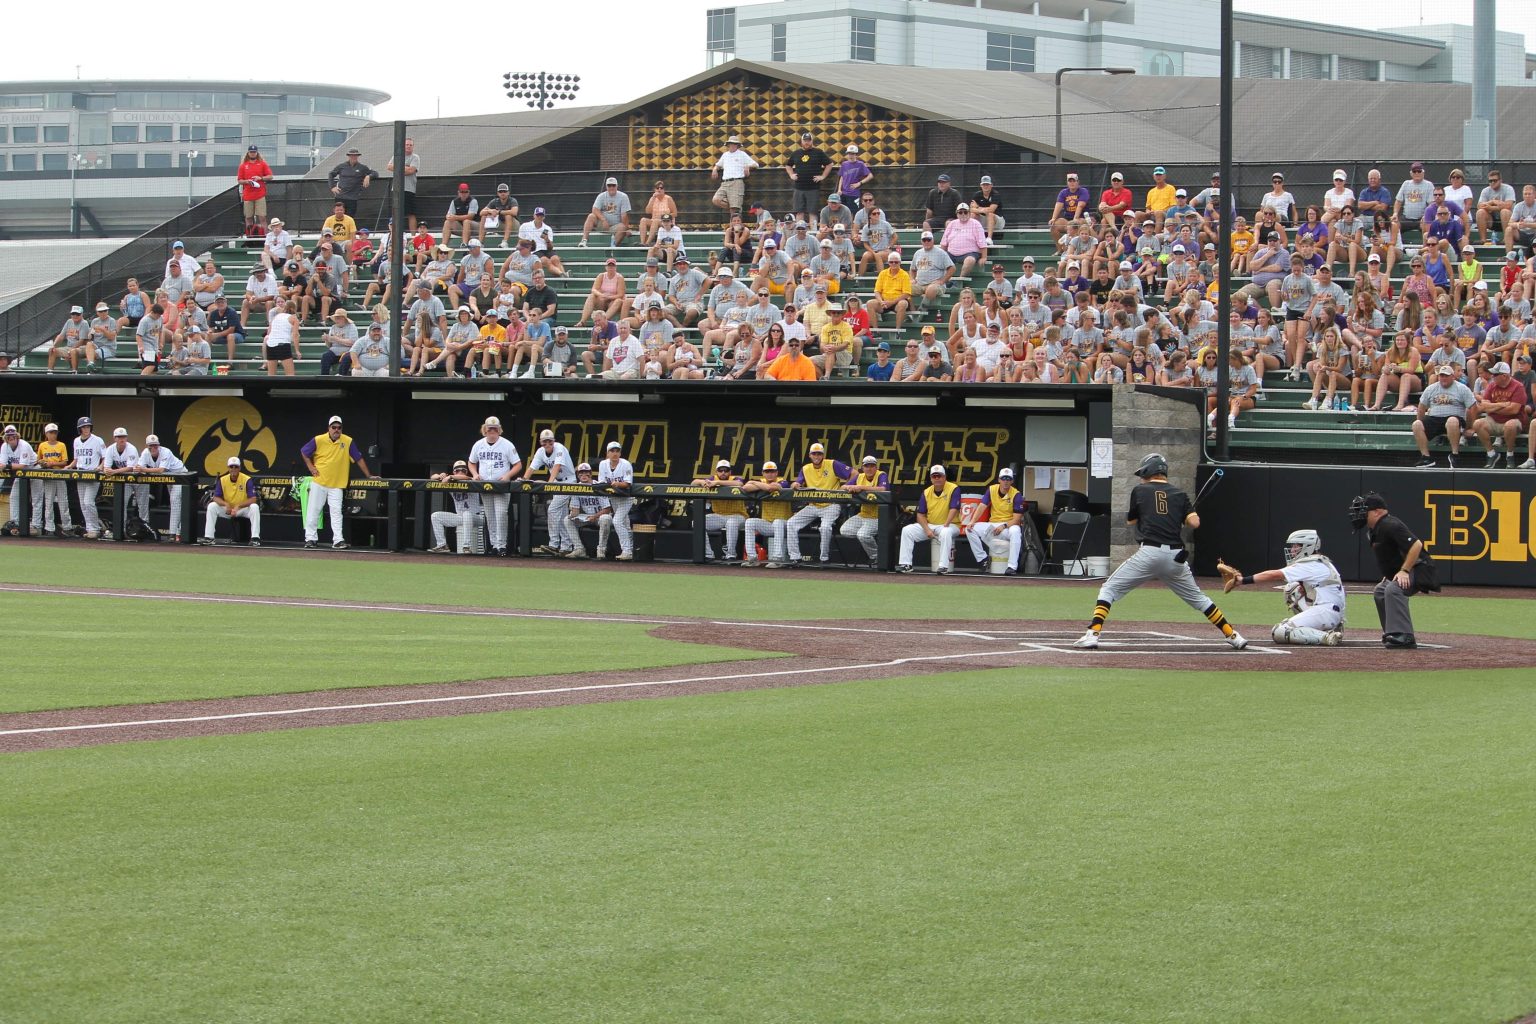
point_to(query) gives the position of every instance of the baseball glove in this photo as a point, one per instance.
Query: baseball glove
(1293, 595)
(1230, 578)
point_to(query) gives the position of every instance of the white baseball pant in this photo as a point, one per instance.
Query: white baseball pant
(329, 497)
(621, 510)
(827, 514)
(775, 533)
(980, 535)
(1308, 627)
(55, 495)
(729, 525)
(864, 528)
(913, 534)
(139, 495)
(217, 512)
(603, 526)
(556, 515)
(498, 510)
(34, 499)
(468, 530)
(87, 491)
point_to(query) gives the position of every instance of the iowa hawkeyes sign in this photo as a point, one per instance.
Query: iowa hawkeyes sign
(210, 430)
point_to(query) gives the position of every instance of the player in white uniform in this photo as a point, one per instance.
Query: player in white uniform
(119, 457)
(467, 520)
(553, 456)
(155, 458)
(616, 472)
(16, 453)
(588, 510)
(89, 454)
(1314, 592)
(493, 458)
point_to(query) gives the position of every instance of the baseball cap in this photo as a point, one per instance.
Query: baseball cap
(102, 307)
(723, 462)
(1178, 248)
(927, 236)
(1468, 248)
(726, 272)
(562, 330)
(614, 446)
(9, 429)
(474, 243)
(1339, 175)
(944, 177)
(770, 244)
(585, 467)
(503, 188)
(818, 447)
(963, 206)
(884, 346)
(936, 471)
(1416, 166)
(1159, 170)
(986, 179)
(195, 329)
(826, 243)
(546, 435)
(680, 260)
(835, 197)
(233, 460)
(1029, 260)
(610, 181)
(178, 244)
(998, 268)
(538, 211)
(1523, 357)
(807, 134)
(152, 439)
(770, 465)
(851, 148)
(1512, 256)
(1179, 192)
(53, 427)
(1446, 368)
(1373, 258)
(928, 329)
(1117, 176)
(839, 229)
(252, 148)
(1500, 368)
(1125, 265)
(1479, 286)
(120, 432)
(870, 460)
(333, 421)
(1006, 474)
(424, 286)
(75, 309)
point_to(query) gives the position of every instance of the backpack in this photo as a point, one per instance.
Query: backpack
(136, 529)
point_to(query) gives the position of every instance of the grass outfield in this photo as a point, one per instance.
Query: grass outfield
(1003, 846)
(135, 650)
(758, 594)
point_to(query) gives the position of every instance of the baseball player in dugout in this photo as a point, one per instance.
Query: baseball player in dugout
(938, 518)
(819, 474)
(726, 516)
(772, 517)
(1405, 567)
(329, 457)
(865, 523)
(1314, 592)
(1159, 511)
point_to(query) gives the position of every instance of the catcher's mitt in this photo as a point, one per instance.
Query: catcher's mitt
(1230, 578)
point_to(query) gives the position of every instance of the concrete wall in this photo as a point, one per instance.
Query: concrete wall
(1147, 422)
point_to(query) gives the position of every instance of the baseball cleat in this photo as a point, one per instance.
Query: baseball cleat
(903, 568)
(255, 542)
(1010, 571)
(340, 545)
(1236, 641)
(602, 556)
(576, 553)
(310, 545)
(1087, 642)
(625, 556)
(1333, 638)
(206, 542)
(441, 549)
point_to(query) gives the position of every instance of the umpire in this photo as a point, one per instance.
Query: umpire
(1405, 568)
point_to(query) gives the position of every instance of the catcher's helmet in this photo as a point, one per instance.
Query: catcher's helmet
(1302, 543)
(1153, 465)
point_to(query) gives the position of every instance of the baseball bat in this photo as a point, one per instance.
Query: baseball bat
(1210, 482)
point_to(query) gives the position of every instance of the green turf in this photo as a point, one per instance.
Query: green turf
(1003, 846)
(725, 592)
(130, 650)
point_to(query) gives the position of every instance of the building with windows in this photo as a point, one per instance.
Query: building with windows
(69, 149)
(1164, 38)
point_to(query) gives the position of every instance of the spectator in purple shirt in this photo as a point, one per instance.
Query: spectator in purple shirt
(1073, 203)
(852, 175)
(1442, 228)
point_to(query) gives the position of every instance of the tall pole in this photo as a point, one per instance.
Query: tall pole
(74, 199)
(1485, 83)
(192, 156)
(1224, 241)
(396, 249)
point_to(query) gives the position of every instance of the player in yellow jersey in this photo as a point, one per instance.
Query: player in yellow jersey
(864, 524)
(1005, 517)
(938, 518)
(54, 454)
(819, 474)
(772, 516)
(726, 515)
(329, 457)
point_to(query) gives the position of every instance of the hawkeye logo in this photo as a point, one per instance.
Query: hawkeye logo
(644, 442)
(1470, 526)
(210, 430)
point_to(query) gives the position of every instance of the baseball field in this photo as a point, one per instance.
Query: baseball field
(246, 786)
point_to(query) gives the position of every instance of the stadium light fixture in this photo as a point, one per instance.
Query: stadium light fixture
(541, 89)
(1064, 71)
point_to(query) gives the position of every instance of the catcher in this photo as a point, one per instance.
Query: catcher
(1314, 592)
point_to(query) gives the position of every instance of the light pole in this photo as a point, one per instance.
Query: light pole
(77, 161)
(1063, 71)
(191, 157)
(541, 89)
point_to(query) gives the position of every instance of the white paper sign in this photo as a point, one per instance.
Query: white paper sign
(1102, 458)
(1042, 478)
(1063, 478)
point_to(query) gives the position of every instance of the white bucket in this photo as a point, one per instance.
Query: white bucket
(1098, 566)
(1076, 567)
(997, 564)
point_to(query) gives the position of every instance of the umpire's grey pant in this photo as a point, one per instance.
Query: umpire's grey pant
(1392, 608)
(1151, 562)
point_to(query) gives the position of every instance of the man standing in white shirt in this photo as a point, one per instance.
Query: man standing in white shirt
(553, 456)
(155, 458)
(16, 453)
(494, 459)
(617, 473)
(90, 454)
(732, 170)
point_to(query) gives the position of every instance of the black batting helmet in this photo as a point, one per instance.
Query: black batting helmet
(1153, 465)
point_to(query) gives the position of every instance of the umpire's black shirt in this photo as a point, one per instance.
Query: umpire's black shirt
(1390, 539)
(1159, 509)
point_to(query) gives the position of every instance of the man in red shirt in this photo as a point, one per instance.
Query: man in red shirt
(1504, 409)
(1115, 202)
(253, 176)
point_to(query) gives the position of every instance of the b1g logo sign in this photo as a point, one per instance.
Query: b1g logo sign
(1471, 526)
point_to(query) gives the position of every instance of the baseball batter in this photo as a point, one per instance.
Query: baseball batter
(156, 458)
(938, 521)
(52, 454)
(819, 474)
(617, 473)
(1158, 511)
(466, 520)
(772, 516)
(553, 456)
(90, 456)
(1314, 592)
(16, 453)
(329, 457)
(864, 524)
(588, 510)
(1005, 517)
(726, 516)
(494, 458)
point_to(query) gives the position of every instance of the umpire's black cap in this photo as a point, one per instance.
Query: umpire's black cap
(1154, 464)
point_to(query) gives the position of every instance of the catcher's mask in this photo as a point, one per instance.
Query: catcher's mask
(1302, 543)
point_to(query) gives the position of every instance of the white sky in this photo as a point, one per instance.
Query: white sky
(571, 37)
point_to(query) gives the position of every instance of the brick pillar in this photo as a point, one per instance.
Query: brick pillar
(942, 144)
(1147, 422)
(615, 149)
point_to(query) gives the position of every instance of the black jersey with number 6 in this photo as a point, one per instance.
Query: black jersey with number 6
(1158, 509)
